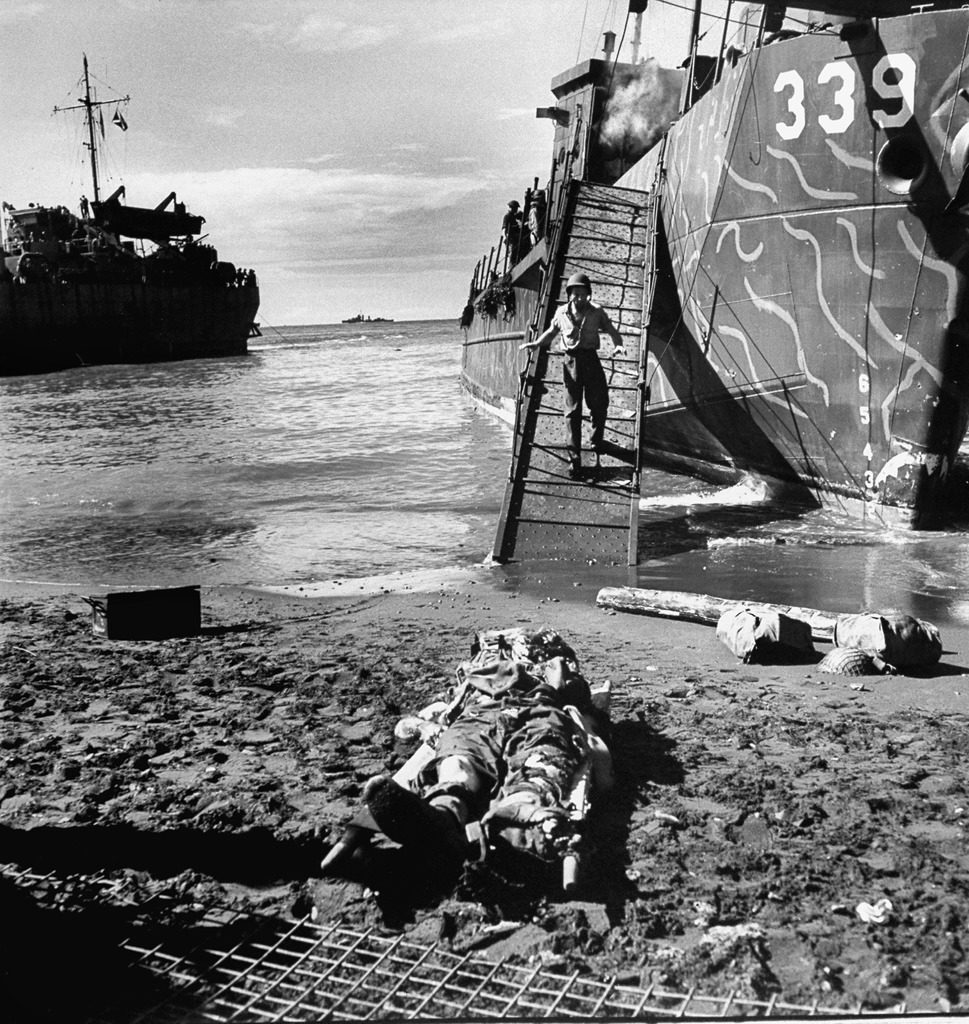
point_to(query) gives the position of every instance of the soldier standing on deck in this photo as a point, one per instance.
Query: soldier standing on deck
(511, 228)
(579, 322)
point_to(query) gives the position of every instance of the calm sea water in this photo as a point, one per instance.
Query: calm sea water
(327, 451)
(350, 450)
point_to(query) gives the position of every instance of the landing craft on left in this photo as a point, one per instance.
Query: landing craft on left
(115, 283)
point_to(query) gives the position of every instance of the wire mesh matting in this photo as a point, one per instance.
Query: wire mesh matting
(245, 967)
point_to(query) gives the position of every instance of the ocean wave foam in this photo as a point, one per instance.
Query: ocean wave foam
(412, 581)
(748, 491)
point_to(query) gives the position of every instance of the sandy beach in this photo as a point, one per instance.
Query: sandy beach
(756, 808)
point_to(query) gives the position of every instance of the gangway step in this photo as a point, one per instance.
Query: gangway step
(612, 387)
(607, 361)
(600, 482)
(592, 525)
(608, 240)
(608, 475)
(608, 261)
(588, 490)
(614, 479)
(612, 451)
(556, 460)
(549, 439)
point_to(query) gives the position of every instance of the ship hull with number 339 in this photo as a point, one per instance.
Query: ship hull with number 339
(809, 322)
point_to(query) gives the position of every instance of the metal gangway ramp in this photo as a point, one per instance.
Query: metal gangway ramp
(609, 233)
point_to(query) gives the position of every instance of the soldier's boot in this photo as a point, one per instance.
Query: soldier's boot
(414, 823)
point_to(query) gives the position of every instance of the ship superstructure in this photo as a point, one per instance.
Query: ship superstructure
(114, 283)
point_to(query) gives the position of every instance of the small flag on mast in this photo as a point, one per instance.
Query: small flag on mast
(119, 120)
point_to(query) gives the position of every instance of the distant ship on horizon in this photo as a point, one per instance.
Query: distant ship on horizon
(361, 319)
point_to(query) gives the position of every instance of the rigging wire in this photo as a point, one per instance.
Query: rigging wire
(578, 52)
(736, 21)
(839, 456)
(113, 168)
(740, 96)
(108, 164)
(107, 85)
(74, 134)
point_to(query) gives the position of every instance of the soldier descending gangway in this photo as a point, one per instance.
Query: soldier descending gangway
(603, 240)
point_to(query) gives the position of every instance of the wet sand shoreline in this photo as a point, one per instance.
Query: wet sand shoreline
(237, 757)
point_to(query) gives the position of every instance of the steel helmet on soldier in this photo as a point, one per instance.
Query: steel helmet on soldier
(578, 281)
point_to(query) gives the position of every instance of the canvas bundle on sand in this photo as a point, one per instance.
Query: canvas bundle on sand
(765, 636)
(879, 643)
(526, 718)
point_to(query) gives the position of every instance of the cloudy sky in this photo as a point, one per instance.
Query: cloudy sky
(358, 154)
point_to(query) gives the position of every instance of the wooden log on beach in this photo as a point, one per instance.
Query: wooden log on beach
(702, 608)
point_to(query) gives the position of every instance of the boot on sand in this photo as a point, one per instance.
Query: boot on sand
(407, 819)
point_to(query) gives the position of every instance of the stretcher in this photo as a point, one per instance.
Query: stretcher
(592, 777)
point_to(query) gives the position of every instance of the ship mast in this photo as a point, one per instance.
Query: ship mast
(92, 144)
(87, 104)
